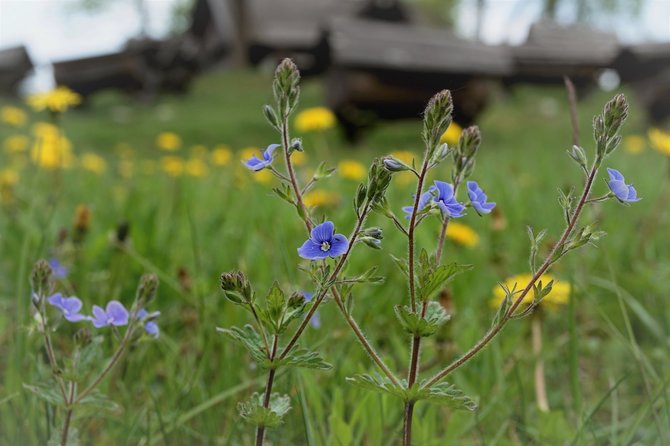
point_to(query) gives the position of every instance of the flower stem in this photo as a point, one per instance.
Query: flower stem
(291, 173)
(410, 232)
(407, 424)
(440, 244)
(68, 414)
(545, 266)
(260, 430)
(540, 384)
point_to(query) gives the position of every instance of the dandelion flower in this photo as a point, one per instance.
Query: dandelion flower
(221, 155)
(195, 167)
(462, 234)
(172, 165)
(316, 119)
(13, 116)
(16, 143)
(298, 158)
(660, 140)
(52, 150)
(168, 141)
(57, 100)
(93, 163)
(452, 134)
(559, 294)
(351, 170)
(634, 144)
(319, 197)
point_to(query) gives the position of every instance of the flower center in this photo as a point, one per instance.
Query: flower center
(325, 246)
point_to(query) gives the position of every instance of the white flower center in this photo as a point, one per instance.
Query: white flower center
(325, 246)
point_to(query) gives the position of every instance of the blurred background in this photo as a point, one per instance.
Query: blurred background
(123, 127)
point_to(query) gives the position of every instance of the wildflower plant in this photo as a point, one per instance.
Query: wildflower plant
(271, 340)
(74, 379)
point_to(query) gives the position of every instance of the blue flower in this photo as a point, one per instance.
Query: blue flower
(115, 314)
(625, 193)
(443, 194)
(323, 242)
(256, 164)
(478, 198)
(58, 270)
(315, 321)
(69, 306)
(150, 326)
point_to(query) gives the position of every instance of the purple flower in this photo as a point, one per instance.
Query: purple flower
(443, 194)
(625, 193)
(69, 306)
(59, 271)
(115, 314)
(323, 242)
(478, 199)
(315, 321)
(256, 164)
(150, 326)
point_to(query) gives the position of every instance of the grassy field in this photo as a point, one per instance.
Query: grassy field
(605, 354)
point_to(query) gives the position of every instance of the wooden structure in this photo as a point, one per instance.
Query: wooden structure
(389, 71)
(15, 64)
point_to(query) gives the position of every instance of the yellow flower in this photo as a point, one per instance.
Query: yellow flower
(172, 165)
(404, 155)
(248, 152)
(169, 141)
(462, 234)
(351, 170)
(316, 119)
(263, 176)
(634, 144)
(16, 144)
(660, 140)
(12, 116)
(52, 150)
(93, 163)
(221, 155)
(195, 167)
(559, 295)
(320, 197)
(452, 134)
(8, 177)
(298, 158)
(57, 100)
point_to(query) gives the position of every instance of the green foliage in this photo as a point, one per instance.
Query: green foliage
(249, 339)
(253, 411)
(303, 358)
(433, 279)
(426, 326)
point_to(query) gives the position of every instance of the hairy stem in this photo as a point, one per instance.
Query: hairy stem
(52, 360)
(410, 232)
(407, 424)
(260, 430)
(291, 173)
(545, 266)
(68, 414)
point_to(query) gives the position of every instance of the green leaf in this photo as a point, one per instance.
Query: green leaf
(402, 264)
(57, 437)
(300, 357)
(366, 277)
(253, 411)
(249, 339)
(47, 392)
(284, 192)
(447, 395)
(275, 303)
(97, 400)
(415, 325)
(432, 281)
(379, 384)
(323, 172)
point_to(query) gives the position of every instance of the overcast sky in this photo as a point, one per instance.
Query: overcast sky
(54, 30)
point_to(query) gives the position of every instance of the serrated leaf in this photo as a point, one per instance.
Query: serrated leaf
(300, 357)
(366, 277)
(249, 339)
(97, 400)
(275, 302)
(253, 411)
(447, 395)
(323, 172)
(432, 283)
(284, 192)
(47, 392)
(401, 264)
(378, 383)
(415, 325)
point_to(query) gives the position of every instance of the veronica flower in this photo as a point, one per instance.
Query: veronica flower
(59, 271)
(478, 198)
(69, 306)
(625, 193)
(254, 163)
(323, 243)
(114, 314)
(315, 321)
(443, 194)
(150, 326)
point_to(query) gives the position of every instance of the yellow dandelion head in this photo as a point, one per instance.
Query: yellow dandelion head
(462, 234)
(8, 177)
(659, 140)
(452, 134)
(16, 144)
(351, 170)
(57, 100)
(169, 141)
(93, 163)
(195, 167)
(263, 176)
(319, 198)
(52, 150)
(559, 295)
(13, 116)
(315, 119)
(172, 165)
(221, 155)
(634, 144)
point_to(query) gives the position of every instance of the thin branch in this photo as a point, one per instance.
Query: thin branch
(572, 100)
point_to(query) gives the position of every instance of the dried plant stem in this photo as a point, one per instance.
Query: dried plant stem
(540, 384)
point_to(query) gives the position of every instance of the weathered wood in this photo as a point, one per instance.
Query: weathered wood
(15, 64)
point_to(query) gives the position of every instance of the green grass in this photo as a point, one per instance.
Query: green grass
(606, 355)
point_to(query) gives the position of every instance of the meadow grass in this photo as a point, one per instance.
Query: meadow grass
(606, 353)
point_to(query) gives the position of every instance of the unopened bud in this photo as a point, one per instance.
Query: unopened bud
(394, 165)
(146, 291)
(236, 287)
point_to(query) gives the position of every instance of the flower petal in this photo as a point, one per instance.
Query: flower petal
(615, 174)
(323, 232)
(312, 251)
(99, 317)
(117, 312)
(619, 189)
(56, 300)
(446, 190)
(338, 246)
(72, 304)
(152, 328)
(267, 154)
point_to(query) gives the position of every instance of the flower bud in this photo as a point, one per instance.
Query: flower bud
(394, 165)
(83, 337)
(271, 116)
(146, 291)
(40, 281)
(285, 86)
(296, 144)
(236, 287)
(375, 233)
(436, 118)
(82, 223)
